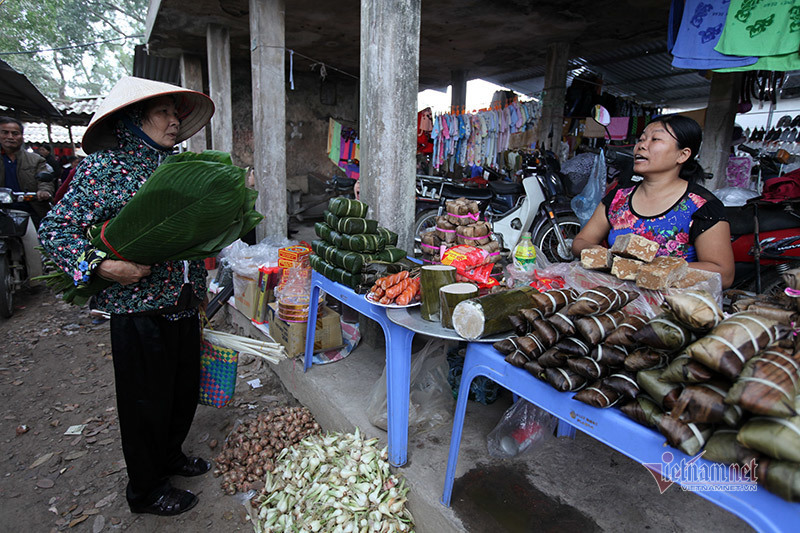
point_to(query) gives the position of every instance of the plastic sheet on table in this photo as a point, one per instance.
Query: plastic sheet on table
(648, 303)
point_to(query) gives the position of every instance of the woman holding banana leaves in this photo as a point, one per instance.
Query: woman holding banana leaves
(155, 331)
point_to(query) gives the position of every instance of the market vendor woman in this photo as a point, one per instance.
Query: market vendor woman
(668, 206)
(155, 332)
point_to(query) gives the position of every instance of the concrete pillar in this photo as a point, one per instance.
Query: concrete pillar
(267, 59)
(192, 78)
(218, 42)
(458, 91)
(388, 111)
(555, 90)
(718, 128)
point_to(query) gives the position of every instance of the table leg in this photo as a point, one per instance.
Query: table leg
(398, 376)
(565, 430)
(311, 327)
(467, 375)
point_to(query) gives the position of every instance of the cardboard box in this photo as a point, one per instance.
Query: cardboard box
(292, 335)
(245, 292)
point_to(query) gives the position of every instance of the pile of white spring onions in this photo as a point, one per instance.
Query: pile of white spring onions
(271, 351)
(336, 483)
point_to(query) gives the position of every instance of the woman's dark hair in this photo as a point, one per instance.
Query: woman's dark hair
(688, 134)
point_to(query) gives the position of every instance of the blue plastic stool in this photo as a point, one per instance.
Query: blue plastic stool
(761, 509)
(398, 358)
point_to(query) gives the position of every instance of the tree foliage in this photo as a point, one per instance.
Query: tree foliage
(30, 25)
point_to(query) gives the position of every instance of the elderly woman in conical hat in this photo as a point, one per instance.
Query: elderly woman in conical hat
(155, 332)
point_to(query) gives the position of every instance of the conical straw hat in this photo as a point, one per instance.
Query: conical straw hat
(194, 108)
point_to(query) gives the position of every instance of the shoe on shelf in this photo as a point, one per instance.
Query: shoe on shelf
(170, 503)
(194, 466)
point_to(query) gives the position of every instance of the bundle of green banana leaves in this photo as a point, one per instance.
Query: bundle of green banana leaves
(192, 207)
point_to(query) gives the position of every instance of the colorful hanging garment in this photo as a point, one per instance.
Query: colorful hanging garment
(701, 26)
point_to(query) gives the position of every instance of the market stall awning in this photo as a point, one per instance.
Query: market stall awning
(20, 95)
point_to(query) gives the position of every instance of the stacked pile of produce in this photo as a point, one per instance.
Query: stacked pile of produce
(252, 449)
(460, 224)
(702, 380)
(348, 242)
(633, 257)
(337, 482)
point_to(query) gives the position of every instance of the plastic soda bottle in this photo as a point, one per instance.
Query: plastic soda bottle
(525, 253)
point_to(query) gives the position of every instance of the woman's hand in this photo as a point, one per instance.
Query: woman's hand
(123, 272)
(593, 233)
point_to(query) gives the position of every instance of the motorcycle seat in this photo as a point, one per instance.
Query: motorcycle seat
(506, 187)
(470, 193)
(741, 220)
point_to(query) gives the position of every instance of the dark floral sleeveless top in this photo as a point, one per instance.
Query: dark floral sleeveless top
(675, 230)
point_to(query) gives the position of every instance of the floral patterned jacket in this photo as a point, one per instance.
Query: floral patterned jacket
(104, 182)
(675, 230)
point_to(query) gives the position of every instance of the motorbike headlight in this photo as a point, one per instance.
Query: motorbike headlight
(5, 197)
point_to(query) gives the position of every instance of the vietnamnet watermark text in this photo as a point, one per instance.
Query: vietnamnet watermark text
(701, 476)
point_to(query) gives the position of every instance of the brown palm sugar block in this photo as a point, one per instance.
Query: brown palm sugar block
(596, 258)
(662, 273)
(635, 247)
(625, 268)
(692, 278)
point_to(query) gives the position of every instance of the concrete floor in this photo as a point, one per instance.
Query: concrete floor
(580, 477)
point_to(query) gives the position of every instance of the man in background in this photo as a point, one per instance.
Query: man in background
(47, 152)
(20, 168)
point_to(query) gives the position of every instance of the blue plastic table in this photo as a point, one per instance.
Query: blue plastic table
(761, 509)
(398, 358)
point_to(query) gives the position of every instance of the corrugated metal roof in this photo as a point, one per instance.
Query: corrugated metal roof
(155, 68)
(80, 106)
(18, 93)
(643, 72)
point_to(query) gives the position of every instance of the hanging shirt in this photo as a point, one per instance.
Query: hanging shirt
(701, 28)
(675, 230)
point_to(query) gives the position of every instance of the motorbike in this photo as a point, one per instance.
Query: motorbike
(538, 205)
(19, 259)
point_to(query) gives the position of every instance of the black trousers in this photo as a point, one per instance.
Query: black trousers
(157, 375)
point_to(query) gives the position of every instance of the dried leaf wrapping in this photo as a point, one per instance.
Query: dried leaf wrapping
(695, 309)
(587, 367)
(781, 478)
(548, 302)
(768, 383)
(598, 395)
(613, 356)
(553, 358)
(644, 410)
(546, 333)
(664, 333)
(664, 393)
(688, 437)
(684, 369)
(623, 335)
(572, 346)
(706, 403)
(535, 369)
(778, 438)
(564, 380)
(600, 300)
(564, 324)
(735, 340)
(645, 359)
(624, 383)
(723, 447)
(520, 325)
(594, 329)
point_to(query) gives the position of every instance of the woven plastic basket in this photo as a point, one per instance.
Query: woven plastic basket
(218, 367)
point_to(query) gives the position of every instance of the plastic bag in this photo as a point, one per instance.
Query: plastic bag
(516, 277)
(521, 426)
(734, 196)
(430, 401)
(587, 201)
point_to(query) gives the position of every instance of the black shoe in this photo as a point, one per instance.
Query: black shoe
(194, 466)
(172, 502)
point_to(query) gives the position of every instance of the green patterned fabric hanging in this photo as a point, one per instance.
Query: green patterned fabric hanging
(347, 207)
(350, 225)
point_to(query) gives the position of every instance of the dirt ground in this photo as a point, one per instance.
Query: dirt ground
(56, 372)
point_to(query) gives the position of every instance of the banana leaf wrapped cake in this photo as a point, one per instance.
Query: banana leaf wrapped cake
(664, 333)
(600, 300)
(645, 359)
(594, 329)
(733, 342)
(564, 379)
(666, 394)
(768, 383)
(778, 438)
(563, 323)
(347, 207)
(623, 335)
(684, 369)
(548, 302)
(587, 367)
(598, 395)
(624, 383)
(688, 437)
(705, 402)
(613, 356)
(723, 447)
(644, 410)
(350, 225)
(696, 309)
(781, 478)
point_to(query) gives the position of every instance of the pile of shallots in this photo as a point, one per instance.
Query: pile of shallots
(252, 447)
